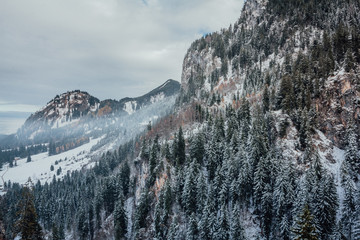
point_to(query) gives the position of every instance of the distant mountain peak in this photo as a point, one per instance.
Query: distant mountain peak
(65, 108)
(76, 107)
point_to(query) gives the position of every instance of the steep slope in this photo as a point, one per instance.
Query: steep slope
(255, 150)
(274, 44)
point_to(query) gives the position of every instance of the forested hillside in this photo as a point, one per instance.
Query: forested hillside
(263, 142)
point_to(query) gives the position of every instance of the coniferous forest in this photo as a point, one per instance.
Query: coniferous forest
(262, 143)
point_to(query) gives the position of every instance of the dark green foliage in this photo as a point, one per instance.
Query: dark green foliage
(57, 234)
(179, 148)
(266, 99)
(351, 154)
(189, 192)
(83, 225)
(142, 210)
(284, 124)
(192, 230)
(120, 220)
(305, 228)
(27, 224)
(323, 197)
(349, 210)
(196, 148)
(286, 95)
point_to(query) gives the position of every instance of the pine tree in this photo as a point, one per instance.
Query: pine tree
(304, 130)
(283, 197)
(120, 220)
(266, 99)
(179, 148)
(162, 212)
(349, 61)
(142, 210)
(286, 95)
(55, 233)
(244, 119)
(329, 59)
(27, 224)
(153, 161)
(196, 148)
(236, 231)
(201, 192)
(82, 224)
(323, 196)
(203, 226)
(349, 204)
(222, 227)
(28, 158)
(351, 151)
(189, 192)
(144, 150)
(192, 229)
(305, 228)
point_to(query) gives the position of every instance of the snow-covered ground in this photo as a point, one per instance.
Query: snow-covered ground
(39, 167)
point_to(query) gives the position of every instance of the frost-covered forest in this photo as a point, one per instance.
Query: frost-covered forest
(262, 143)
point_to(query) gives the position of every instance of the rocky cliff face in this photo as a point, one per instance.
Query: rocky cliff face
(64, 109)
(339, 106)
(273, 41)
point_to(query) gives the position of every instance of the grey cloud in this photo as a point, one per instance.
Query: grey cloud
(112, 49)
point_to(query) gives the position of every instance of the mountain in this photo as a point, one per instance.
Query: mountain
(71, 113)
(63, 110)
(2, 136)
(131, 105)
(263, 142)
(273, 42)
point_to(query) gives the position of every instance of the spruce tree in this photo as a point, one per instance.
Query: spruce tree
(305, 228)
(283, 197)
(266, 99)
(192, 229)
(351, 151)
(348, 210)
(236, 231)
(27, 224)
(179, 148)
(203, 225)
(189, 192)
(120, 220)
(28, 158)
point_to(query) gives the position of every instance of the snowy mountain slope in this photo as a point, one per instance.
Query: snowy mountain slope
(254, 149)
(70, 114)
(115, 132)
(39, 167)
(267, 45)
(63, 110)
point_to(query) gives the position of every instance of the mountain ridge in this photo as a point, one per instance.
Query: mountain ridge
(263, 142)
(76, 108)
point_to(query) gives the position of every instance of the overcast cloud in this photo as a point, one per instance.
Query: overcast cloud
(109, 48)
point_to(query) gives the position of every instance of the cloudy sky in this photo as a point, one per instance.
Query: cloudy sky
(109, 48)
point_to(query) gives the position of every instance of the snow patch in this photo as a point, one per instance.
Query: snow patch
(39, 167)
(130, 107)
(157, 97)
